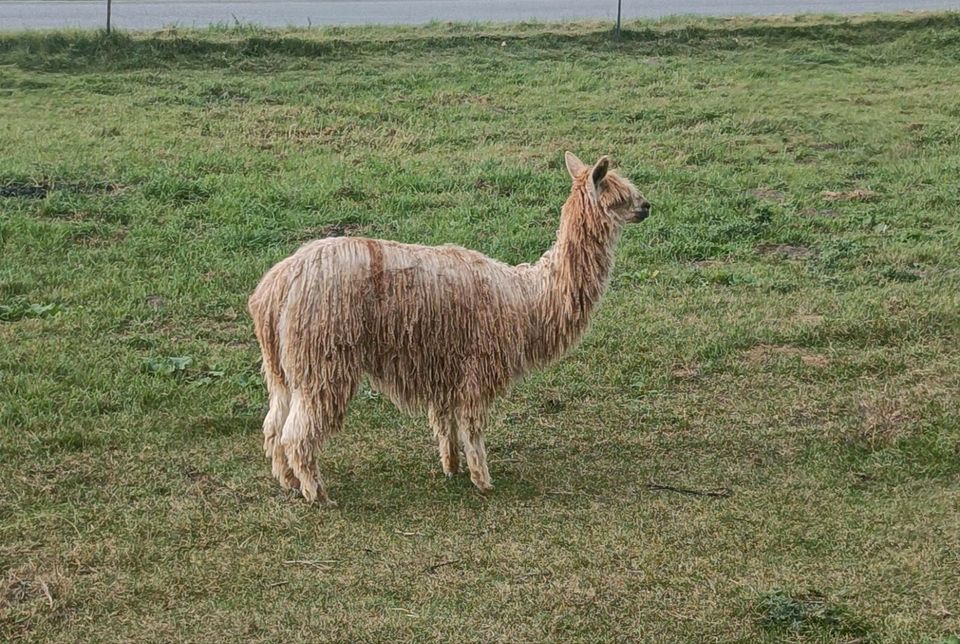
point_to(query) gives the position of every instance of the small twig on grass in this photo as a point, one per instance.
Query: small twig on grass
(405, 611)
(277, 584)
(722, 492)
(72, 525)
(46, 591)
(432, 569)
(408, 534)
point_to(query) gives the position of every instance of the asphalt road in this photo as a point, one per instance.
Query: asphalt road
(137, 14)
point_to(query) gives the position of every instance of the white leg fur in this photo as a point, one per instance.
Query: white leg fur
(470, 431)
(300, 443)
(272, 431)
(446, 435)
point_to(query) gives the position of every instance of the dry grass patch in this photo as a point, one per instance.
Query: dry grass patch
(860, 194)
(793, 322)
(686, 371)
(769, 194)
(883, 422)
(811, 319)
(27, 592)
(766, 354)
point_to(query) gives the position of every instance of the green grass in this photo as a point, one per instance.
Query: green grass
(784, 326)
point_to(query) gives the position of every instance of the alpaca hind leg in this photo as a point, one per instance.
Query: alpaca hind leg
(272, 432)
(444, 429)
(281, 469)
(470, 430)
(274, 420)
(302, 436)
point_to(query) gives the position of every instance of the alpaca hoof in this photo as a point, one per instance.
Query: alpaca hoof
(450, 468)
(309, 493)
(317, 496)
(288, 481)
(484, 487)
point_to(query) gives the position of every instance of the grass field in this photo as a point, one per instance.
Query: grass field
(783, 331)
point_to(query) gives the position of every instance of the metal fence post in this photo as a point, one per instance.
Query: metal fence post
(619, 3)
(109, 3)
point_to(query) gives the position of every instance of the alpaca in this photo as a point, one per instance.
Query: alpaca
(438, 329)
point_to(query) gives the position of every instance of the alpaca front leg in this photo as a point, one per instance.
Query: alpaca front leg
(470, 430)
(445, 432)
(300, 441)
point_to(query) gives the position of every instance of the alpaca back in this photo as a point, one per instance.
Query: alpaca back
(427, 324)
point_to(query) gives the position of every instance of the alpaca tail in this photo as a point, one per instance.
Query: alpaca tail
(265, 306)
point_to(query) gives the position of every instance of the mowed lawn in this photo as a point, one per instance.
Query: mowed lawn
(780, 338)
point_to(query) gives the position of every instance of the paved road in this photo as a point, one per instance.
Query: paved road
(137, 14)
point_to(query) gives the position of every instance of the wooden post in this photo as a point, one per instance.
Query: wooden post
(109, 2)
(619, 3)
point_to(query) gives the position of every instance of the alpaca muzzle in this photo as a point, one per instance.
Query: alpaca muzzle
(641, 212)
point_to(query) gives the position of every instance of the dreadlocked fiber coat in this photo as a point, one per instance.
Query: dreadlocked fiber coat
(438, 329)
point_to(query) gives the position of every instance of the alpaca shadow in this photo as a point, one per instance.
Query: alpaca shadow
(411, 482)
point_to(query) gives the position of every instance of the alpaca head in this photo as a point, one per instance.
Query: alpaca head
(615, 195)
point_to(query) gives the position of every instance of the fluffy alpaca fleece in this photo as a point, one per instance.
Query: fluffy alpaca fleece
(438, 329)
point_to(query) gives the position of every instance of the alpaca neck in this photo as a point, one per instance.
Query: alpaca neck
(573, 276)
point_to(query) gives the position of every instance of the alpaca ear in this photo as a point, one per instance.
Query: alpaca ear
(574, 165)
(600, 170)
